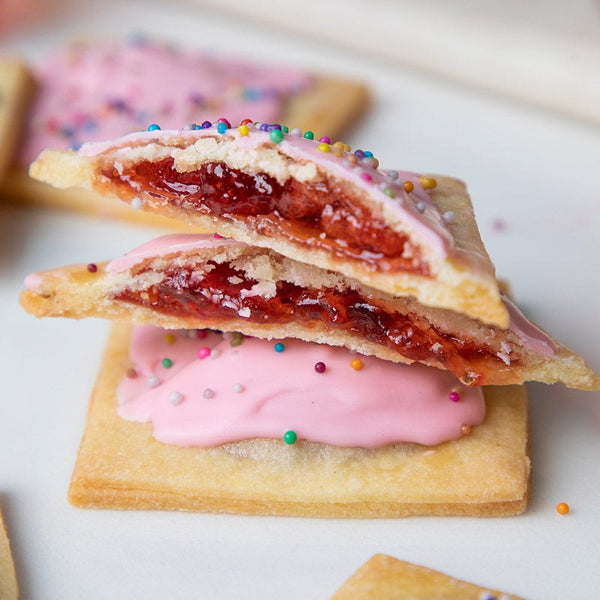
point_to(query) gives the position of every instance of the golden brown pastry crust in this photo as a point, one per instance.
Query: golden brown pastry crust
(16, 88)
(386, 578)
(329, 105)
(74, 292)
(8, 578)
(463, 281)
(120, 465)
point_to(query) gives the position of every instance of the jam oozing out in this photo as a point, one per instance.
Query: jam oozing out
(320, 214)
(221, 293)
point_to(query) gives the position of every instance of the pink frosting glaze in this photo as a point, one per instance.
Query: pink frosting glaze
(531, 336)
(166, 244)
(380, 404)
(416, 209)
(101, 90)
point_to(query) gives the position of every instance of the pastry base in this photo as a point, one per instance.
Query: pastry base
(387, 578)
(8, 579)
(328, 107)
(120, 465)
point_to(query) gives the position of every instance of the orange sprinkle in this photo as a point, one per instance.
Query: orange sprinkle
(562, 508)
(356, 364)
(428, 182)
(465, 429)
(339, 146)
(338, 154)
(169, 338)
(408, 186)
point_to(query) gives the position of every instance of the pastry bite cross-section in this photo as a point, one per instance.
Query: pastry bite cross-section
(311, 200)
(193, 281)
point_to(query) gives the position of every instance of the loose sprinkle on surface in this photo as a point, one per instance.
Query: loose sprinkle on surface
(356, 364)
(320, 367)
(92, 268)
(562, 508)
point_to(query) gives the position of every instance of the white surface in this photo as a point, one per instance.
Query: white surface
(535, 172)
(547, 53)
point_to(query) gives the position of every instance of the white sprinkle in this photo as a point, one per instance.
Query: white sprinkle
(393, 175)
(421, 206)
(238, 388)
(436, 347)
(295, 131)
(448, 216)
(208, 393)
(322, 235)
(136, 203)
(227, 335)
(189, 126)
(175, 398)
(215, 353)
(244, 312)
(153, 381)
(429, 452)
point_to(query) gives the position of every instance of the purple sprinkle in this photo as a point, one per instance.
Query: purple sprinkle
(264, 127)
(359, 154)
(206, 125)
(274, 126)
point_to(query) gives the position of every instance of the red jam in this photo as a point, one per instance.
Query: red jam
(214, 296)
(302, 212)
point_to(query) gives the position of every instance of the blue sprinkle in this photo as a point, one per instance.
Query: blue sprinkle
(206, 125)
(264, 127)
(368, 154)
(153, 127)
(279, 347)
(222, 127)
(75, 146)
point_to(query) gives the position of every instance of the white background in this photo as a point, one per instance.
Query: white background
(534, 170)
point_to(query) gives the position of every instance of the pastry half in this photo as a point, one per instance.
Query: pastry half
(310, 200)
(194, 281)
(386, 578)
(8, 578)
(99, 89)
(120, 464)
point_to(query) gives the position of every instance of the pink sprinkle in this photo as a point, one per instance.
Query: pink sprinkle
(366, 177)
(325, 140)
(454, 396)
(201, 334)
(203, 352)
(218, 237)
(499, 225)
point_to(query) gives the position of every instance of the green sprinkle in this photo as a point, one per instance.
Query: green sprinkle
(167, 363)
(285, 129)
(237, 339)
(389, 192)
(309, 135)
(276, 136)
(290, 437)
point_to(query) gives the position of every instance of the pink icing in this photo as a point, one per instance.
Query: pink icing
(166, 244)
(380, 404)
(531, 335)
(101, 90)
(416, 209)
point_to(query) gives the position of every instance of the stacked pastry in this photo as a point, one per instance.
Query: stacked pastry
(343, 350)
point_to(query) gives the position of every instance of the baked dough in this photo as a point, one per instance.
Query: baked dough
(321, 207)
(135, 287)
(16, 87)
(386, 578)
(8, 578)
(120, 465)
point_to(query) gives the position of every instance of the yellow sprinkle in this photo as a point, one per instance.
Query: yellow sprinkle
(324, 147)
(338, 154)
(347, 148)
(428, 182)
(169, 338)
(339, 146)
(356, 364)
(243, 130)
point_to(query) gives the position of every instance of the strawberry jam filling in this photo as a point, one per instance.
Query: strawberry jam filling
(227, 292)
(321, 215)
